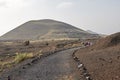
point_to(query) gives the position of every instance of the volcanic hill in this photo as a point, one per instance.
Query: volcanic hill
(46, 29)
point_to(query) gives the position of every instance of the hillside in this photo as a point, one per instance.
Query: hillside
(108, 41)
(91, 32)
(46, 30)
(102, 60)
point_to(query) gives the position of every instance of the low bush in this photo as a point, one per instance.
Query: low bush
(22, 56)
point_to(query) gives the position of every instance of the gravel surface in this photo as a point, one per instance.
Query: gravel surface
(59, 66)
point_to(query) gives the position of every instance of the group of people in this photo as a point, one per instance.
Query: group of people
(87, 43)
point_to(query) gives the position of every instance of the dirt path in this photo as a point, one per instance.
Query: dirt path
(59, 66)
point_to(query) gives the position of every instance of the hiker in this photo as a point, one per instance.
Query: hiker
(9, 78)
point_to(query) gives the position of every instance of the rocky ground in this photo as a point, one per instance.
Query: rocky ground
(59, 66)
(102, 60)
(53, 64)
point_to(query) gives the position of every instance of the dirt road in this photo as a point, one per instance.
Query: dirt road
(59, 66)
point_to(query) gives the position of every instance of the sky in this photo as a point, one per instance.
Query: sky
(101, 16)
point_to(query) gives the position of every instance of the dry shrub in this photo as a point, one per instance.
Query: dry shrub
(22, 56)
(26, 43)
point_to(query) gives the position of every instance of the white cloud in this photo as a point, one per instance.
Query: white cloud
(2, 3)
(65, 5)
(12, 3)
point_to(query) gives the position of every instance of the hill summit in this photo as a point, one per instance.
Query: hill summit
(46, 29)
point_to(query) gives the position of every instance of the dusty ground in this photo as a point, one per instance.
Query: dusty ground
(59, 66)
(102, 60)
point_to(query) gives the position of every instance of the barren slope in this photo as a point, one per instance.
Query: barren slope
(103, 59)
(45, 29)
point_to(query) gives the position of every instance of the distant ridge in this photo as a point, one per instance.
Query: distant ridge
(91, 32)
(46, 29)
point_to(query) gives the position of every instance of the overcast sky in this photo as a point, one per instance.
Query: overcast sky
(102, 16)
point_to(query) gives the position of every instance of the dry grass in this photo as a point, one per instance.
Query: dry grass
(4, 65)
(22, 56)
(18, 58)
(25, 52)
